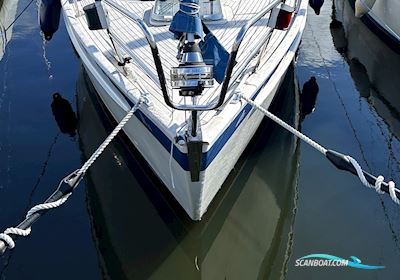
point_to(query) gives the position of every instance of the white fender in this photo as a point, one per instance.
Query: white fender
(362, 7)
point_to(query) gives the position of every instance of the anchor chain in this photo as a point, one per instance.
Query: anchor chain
(61, 195)
(343, 162)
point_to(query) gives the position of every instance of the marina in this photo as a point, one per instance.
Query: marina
(277, 201)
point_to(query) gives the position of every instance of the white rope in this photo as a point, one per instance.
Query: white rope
(47, 206)
(7, 240)
(303, 137)
(392, 192)
(5, 236)
(321, 149)
(378, 182)
(170, 164)
(17, 231)
(196, 263)
(360, 174)
(108, 140)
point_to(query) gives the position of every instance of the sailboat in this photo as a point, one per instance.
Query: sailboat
(382, 17)
(184, 63)
(246, 233)
(372, 64)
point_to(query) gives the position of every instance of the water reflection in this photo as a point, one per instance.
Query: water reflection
(49, 17)
(142, 233)
(316, 5)
(308, 97)
(64, 115)
(8, 12)
(374, 67)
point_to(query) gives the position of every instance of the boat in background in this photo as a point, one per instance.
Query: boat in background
(382, 17)
(248, 228)
(373, 65)
(191, 127)
(8, 12)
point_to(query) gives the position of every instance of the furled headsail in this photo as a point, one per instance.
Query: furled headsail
(187, 20)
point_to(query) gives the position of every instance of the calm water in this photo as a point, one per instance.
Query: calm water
(282, 201)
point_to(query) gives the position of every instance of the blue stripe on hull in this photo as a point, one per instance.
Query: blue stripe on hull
(208, 156)
(391, 41)
(180, 157)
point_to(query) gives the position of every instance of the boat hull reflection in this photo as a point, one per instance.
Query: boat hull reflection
(373, 65)
(142, 233)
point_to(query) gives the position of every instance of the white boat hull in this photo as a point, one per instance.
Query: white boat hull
(194, 197)
(382, 17)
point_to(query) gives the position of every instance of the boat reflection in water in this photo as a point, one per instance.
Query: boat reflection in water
(373, 65)
(8, 12)
(142, 233)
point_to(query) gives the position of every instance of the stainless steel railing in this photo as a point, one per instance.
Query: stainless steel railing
(212, 105)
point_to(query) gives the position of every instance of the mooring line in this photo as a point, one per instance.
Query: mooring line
(63, 191)
(354, 131)
(341, 161)
(19, 15)
(38, 180)
(325, 66)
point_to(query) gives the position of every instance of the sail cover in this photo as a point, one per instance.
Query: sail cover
(187, 20)
(214, 54)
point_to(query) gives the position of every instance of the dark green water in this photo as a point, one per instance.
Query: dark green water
(283, 200)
